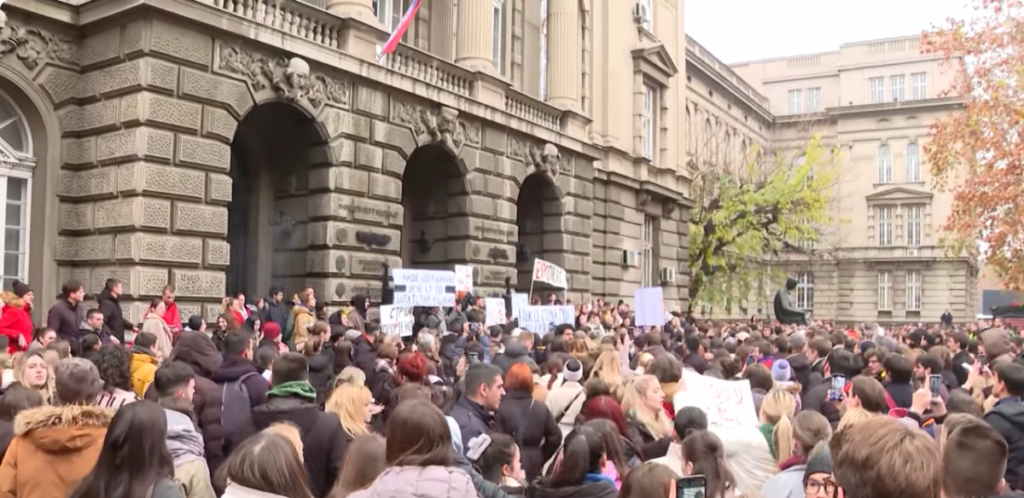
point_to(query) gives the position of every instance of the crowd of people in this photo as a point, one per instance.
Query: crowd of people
(277, 398)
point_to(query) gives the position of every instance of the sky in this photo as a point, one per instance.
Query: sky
(743, 30)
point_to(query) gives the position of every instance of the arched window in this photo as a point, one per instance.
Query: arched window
(913, 162)
(884, 164)
(16, 166)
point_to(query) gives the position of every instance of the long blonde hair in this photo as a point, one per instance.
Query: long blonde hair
(656, 421)
(47, 390)
(778, 409)
(349, 402)
(609, 369)
(854, 416)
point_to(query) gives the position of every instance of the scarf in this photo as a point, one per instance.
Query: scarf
(300, 388)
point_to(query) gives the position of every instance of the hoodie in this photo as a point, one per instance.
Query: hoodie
(186, 447)
(1007, 417)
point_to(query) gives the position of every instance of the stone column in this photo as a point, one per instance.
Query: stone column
(442, 28)
(474, 45)
(564, 57)
(359, 9)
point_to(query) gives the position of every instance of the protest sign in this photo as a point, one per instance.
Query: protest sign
(495, 307)
(541, 319)
(396, 320)
(424, 287)
(463, 278)
(519, 301)
(728, 404)
(650, 307)
(548, 273)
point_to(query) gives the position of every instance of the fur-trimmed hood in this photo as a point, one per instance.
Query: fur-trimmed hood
(63, 429)
(11, 299)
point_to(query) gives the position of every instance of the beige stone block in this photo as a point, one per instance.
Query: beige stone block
(350, 180)
(371, 101)
(348, 235)
(135, 212)
(65, 86)
(134, 144)
(161, 111)
(149, 178)
(203, 153)
(495, 139)
(356, 209)
(362, 264)
(505, 211)
(493, 275)
(160, 75)
(218, 188)
(75, 217)
(232, 94)
(219, 124)
(76, 273)
(100, 47)
(92, 183)
(184, 44)
(90, 118)
(369, 156)
(385, 187)
(88, 248)
(199, 218)
(339, 152)
(394, 163)
(217, 253)
(342, 290)
(134, 37)
(119, 79)
(396, 137)
(78, 152)
(341, 122)
(199, 283)
(167, 249)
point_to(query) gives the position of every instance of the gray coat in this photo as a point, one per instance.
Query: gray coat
(420, 482)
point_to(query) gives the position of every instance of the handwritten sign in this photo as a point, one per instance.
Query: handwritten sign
(495, 307)
(396, 320)
(463, 278)
(424, 287)
(650, 307)
(728, 404)
(541, 319)
(519, 301)
(548, 273)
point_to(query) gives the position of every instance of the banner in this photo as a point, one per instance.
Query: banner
(396, 320)
(495, 307)
(728, 404)
(541, 319)
(650, 307)
(424, 287)
(519, 301)
(463, 278)
(549, 274)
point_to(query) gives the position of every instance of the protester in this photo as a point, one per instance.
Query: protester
(15, 400)
(264, 465)
(364, 460)
(579, 471)
(529, 423)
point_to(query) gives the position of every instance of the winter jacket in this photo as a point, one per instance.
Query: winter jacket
(54, 447)
(115, 398)
(473, 420)
(231, 370)
(815, 399)
(321, 372)
(196, 350)
(565, 402)
(143, 368)
(172, 317)
(902, 394)
(650, 446)
(597, 488)
(16, 321)
(6, 435)
(63, 319)
(323, 439)
(531, 425)
(155, 325)
(515, 352)
(420, 482)
(364, 354)
(186, 447)
(1007, 418)
(275, 312)
(113, 316)
(786, 484)
(238, 491)
(303, 319)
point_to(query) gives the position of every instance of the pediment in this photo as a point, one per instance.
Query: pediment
(899, 194)
(658, 57)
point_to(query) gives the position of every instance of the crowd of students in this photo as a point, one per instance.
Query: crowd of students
(281, 399)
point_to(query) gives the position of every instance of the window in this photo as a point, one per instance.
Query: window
(15, 184)
(647, 121)
(884, 164)
(884, 291)
(883, 219)
(544, 50)
(647, 6)
(795, 102)
(805, 291)
(896, 88)
(919, 86)
(499, 37)
(390, 12)
(915, 219)
(814, 100)
(647, 265)
(913, 291)
(877, 88)
(913, 162)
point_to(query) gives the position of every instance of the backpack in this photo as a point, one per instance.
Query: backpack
(235, 409)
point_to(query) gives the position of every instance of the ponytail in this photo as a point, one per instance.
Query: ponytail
(581, 454)
(782, 434)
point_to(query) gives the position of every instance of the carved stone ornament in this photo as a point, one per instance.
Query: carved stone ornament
(438, 125)
(290, 78)
(546, 159)
(33, 46)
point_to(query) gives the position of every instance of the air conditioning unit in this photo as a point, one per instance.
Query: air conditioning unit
(630, 257)
(668, 275)
(913, 251)
(640, 13)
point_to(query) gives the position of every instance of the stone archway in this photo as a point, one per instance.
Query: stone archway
(269, 209)
(434, 190)
(539, 213)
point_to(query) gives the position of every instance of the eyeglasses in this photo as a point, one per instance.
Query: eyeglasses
(816, 486)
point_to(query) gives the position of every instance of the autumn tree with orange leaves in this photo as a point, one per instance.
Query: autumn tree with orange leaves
(979, 153)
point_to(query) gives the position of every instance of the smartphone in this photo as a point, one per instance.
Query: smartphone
(751, 359)
(981, 359)
(691, 487)
(838, 385)
(473, 358)
(934, 381)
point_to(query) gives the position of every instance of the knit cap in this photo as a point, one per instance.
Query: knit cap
(781, 371)
(820, 462)
(573, 371)
(271, 330)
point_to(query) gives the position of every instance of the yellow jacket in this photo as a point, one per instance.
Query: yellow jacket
(303, 319)
(143, 370)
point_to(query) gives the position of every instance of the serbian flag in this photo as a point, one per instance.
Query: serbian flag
(396, 36)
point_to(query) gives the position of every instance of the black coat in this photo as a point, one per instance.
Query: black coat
(514, 353)
(321, 372)
(113, 317)
(232, 369)
(63, 319)
(816, 399)
(323, 440)
(364, 354)
(473, 420)
(275, 312)
(532, 426)
(601, 489)
(1007, 418)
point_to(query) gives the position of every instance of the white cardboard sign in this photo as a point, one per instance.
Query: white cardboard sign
(729, 404)
(396, 320)
(463, 278)
(424, 287)
(548, 273)
(541, 319)
(496, 314)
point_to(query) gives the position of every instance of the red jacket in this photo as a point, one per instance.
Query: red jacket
(16, 321)
(172, 317)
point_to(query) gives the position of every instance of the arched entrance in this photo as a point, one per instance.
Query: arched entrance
(538, 217)
(267, 216)
(434, 192)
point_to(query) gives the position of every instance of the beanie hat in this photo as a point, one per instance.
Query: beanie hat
(865, 346)
(996, 342)
(21, 288)
(352, 334)
(781, 371)
(820, 462)
(271, 330)
(573, 371)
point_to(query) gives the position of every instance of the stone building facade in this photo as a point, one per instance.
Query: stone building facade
(231, 145)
